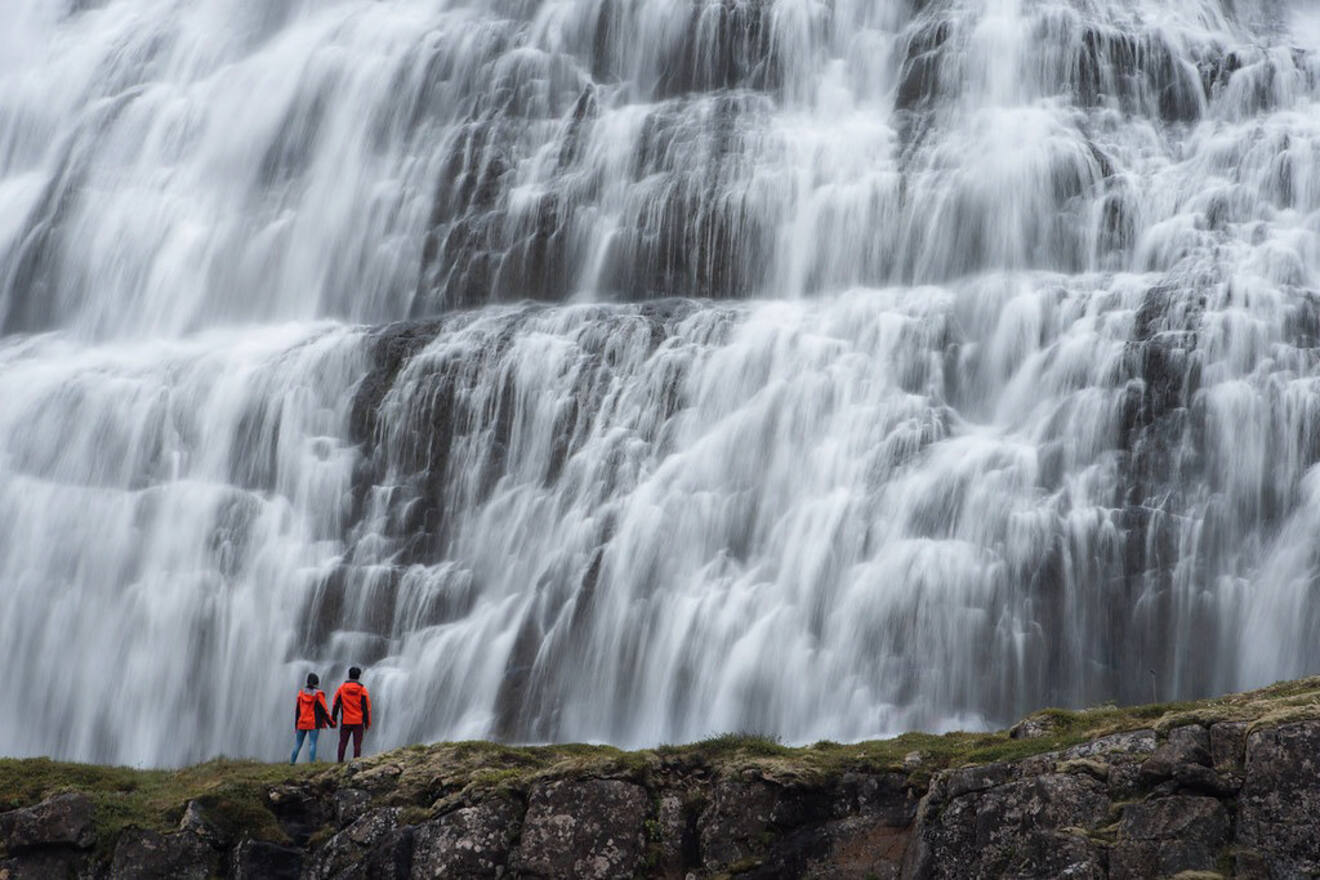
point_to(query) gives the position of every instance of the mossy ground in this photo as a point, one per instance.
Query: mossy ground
(233, 792)
(428, 778)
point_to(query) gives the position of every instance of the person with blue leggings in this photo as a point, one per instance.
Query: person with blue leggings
(310, 714)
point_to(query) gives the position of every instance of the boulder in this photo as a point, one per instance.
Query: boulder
(1125, 780)
(883, 796)
(1033, 727)
(1183, 759)
(196, 821)
(344, 855)
(1032, 827)
(1128, 745)
(468, 843)
(734, 826)
(1191, 741)
(378, 779)
(46, 865)
(858, 848)
(677, 832)
(1228, 745)
(389, 858)
(65, 819)
(1279, 806)
(261, 860)
(1166, 836)
(350, 804)
(300, 809)
(372, 826)
(968, 780)
(583, 829)
(1133, 742)
(148, 855)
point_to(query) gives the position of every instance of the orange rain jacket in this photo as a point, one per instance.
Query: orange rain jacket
(352, 704)
(309, 712)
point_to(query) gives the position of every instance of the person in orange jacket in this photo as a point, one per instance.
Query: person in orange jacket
(309, 716)
(353, 710)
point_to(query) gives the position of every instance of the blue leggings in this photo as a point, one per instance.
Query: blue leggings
(297, 744)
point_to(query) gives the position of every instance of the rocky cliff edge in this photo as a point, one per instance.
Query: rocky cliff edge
(1219, 788)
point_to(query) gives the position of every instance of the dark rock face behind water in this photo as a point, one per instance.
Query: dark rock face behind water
(1219, 798)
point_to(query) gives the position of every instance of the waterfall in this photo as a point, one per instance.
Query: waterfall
(639, 370)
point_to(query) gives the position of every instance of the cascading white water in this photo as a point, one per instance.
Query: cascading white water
(898, 363)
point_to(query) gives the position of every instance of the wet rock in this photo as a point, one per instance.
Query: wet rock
(64, 819)
(148, 855)
(1279, 807)
(583, 829)
(468, 843)
(261, 860)
(1166, 836)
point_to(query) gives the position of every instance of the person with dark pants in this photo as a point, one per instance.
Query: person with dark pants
(353, 710)
(309, 716)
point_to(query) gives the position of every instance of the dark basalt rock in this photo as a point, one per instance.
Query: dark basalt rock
(300, 810)
(984, 825)
(45, 865)
(1279, 807)
(370, 838)
(148, 855)
(1166, 836)
(390, 858)
(733, 827)
(468, 843)
(350, 804)
(1135, 804)
(261, 860)
(63, 819)
(1228, 745)
(589, 829)
(1183, 750)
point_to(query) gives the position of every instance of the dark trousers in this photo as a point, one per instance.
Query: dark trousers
(344, 731)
